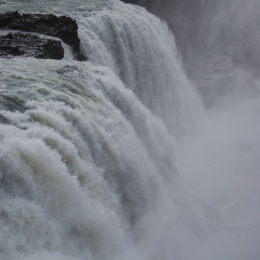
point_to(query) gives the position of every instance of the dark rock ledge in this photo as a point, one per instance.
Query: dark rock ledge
(62, 27)
(27, 45)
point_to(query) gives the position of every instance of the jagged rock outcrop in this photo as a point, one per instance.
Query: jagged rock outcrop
(62, 27)
(136, 2)
(28, 45)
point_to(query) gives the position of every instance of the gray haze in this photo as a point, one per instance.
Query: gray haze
(215, 38)
(123, 157)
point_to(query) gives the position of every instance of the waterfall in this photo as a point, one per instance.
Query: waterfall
(141, 51)
(88, 149)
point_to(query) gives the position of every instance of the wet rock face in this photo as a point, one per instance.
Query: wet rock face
(62, 27)
(136, 2)
(27, 45)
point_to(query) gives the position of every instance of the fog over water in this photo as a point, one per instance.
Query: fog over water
(149, 150)
(219, 42)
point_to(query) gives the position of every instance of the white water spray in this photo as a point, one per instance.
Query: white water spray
(92, 166)
(87, 164)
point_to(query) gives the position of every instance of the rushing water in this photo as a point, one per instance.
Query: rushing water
(87, 149)
(98, 158)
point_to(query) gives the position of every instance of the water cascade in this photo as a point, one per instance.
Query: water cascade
(87, 149)
(115, 158)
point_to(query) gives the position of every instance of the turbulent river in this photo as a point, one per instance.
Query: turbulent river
(115, 158)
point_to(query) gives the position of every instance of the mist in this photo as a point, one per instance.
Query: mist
(219, 42)
(216, 37)
(149, 149)
(220, 45)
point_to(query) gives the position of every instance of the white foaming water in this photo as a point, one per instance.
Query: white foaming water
(85, 167)
(87, 163)
(142, 52)
(91, 163)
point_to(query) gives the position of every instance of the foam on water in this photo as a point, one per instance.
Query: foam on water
(85, 167)
(92, 160)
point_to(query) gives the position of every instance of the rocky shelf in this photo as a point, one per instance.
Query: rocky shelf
(27, 45)
(62, 27)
